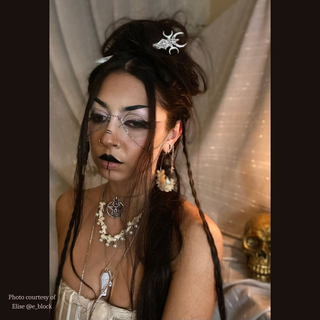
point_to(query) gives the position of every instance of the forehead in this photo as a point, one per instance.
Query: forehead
(121, 90)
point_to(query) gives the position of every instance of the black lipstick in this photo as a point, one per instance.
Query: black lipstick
(109, 158)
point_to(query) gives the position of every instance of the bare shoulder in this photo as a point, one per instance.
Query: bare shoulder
(65, 200)
(64, 209)
(193, 230)
(192, 288)
(65, 206)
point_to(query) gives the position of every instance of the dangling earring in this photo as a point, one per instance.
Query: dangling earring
(165, 183)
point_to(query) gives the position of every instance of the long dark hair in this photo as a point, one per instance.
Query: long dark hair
(172, 80)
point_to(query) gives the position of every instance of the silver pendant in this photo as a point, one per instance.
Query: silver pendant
(115, 208)
(106, 282)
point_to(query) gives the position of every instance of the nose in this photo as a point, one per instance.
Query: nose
(109, 134)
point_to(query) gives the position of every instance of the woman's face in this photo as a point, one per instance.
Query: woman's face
(119, 125)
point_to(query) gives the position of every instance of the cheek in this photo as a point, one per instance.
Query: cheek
(94, 142)
(130, 154)
(158, 139)
(160, 135)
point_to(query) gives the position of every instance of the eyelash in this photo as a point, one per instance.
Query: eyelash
(98, 118)
(137, 124)
(133, 124)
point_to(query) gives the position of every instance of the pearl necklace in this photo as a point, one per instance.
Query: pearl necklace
(108, 238)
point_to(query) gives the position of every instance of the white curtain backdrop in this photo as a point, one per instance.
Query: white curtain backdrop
(230, 156)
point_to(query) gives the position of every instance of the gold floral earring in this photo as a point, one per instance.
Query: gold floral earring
(165, 183)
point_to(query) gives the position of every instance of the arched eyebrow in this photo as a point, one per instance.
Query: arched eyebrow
(128, 108)
(103, 104)
(131, 108)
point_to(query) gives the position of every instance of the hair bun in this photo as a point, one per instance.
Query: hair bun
(140, 36)
(138, 39)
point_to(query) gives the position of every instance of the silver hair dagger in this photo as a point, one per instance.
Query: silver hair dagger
(170, 41)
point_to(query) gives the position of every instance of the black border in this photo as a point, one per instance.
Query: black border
(25, 157)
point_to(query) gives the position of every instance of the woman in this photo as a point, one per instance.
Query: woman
(133, 248)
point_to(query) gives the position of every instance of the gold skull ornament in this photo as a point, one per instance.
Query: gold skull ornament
(257, 246)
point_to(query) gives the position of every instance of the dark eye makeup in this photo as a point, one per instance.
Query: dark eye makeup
(137, 124)
(98, 117)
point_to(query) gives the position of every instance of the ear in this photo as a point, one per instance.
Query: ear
(173, 136)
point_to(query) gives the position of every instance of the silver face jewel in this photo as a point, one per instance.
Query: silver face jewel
(115, 208)
(169, 42)
(132, 125)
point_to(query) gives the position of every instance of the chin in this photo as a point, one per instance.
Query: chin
(113, 175)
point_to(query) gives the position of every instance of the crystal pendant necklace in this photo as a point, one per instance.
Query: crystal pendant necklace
(107, 276)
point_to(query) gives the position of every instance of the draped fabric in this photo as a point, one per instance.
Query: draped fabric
(230, 156)
(68, 301)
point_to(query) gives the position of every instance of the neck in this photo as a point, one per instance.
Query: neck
(120, 190)
(116, 189)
